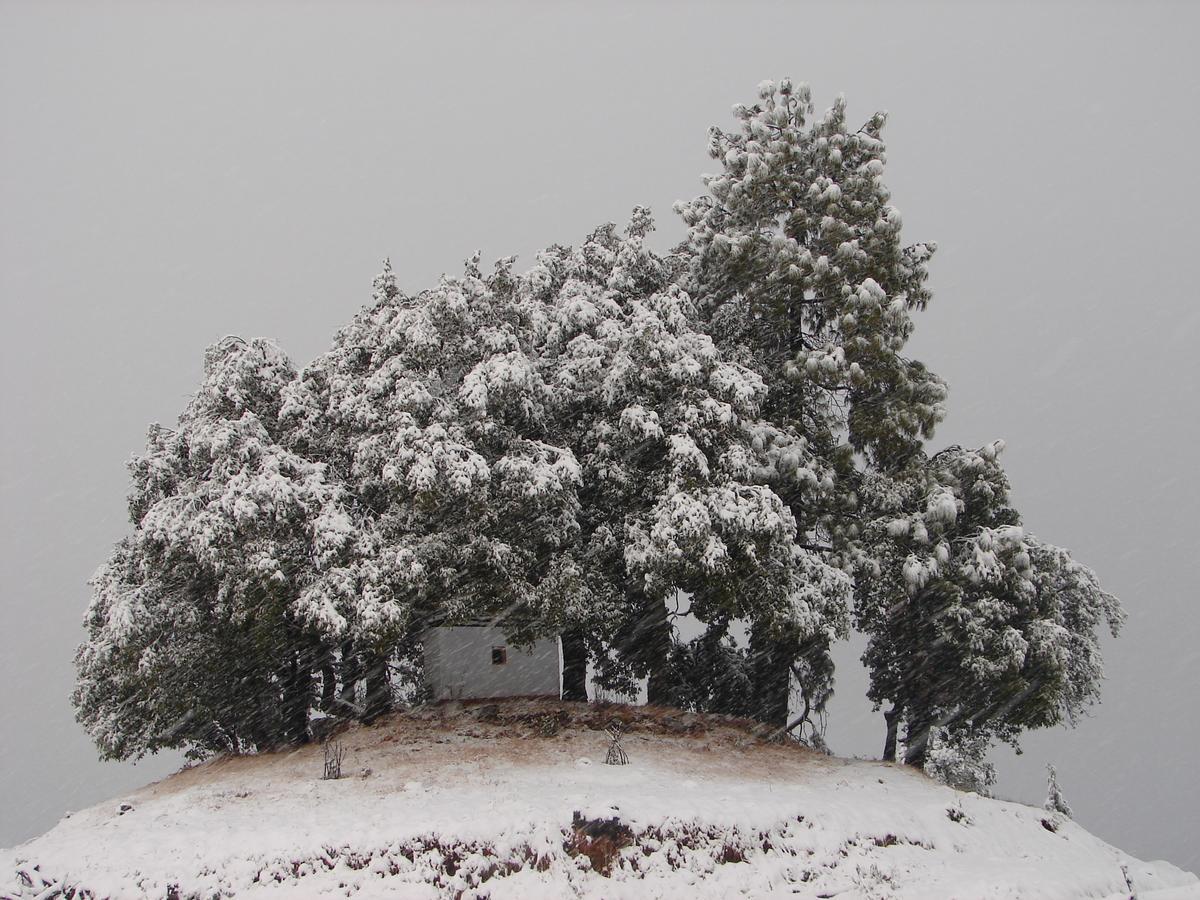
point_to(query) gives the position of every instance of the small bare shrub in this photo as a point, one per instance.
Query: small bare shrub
(616, 753)
(334, 754)
(731, 853)
(956, 814)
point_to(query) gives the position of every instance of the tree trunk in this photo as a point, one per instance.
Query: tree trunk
(771, 671)
(653, 636)
(349, 672)
(660, 688)
(916, 740)
(892, 717)
(297, 697)
(379, 688)
(574, 674)
(328, 682)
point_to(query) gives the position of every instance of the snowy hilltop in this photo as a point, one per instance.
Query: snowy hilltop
(585, 457)
(514, 799)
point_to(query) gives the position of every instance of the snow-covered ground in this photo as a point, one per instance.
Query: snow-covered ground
(513, 800)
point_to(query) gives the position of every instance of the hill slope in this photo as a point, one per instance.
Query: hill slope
(513, 800)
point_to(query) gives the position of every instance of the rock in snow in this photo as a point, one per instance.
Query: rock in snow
(491, 807)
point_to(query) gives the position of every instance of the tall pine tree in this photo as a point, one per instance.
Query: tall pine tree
(796, 256)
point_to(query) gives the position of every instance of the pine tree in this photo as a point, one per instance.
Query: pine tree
(795, 257)
(796, 261)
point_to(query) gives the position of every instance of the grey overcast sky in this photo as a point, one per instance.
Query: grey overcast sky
(173, 174)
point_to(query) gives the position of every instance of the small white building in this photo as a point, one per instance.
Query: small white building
(468, 662)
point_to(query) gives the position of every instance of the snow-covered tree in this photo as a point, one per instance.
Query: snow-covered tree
(669, 439)
(973, 623)
(796, 253)
(1055, 801)
(795, 257)
(203, 631)
(432, 410)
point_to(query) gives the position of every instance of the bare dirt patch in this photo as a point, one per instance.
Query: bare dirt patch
(418, 744)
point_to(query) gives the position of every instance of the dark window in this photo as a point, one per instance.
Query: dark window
(499, 656)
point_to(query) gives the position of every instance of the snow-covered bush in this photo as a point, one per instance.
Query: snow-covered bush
(959, 759)
(1055, 801)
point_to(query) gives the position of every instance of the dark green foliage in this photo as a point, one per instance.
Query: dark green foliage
(974, 624)
(710, 674)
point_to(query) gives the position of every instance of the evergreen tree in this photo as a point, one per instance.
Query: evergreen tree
(203, 632)
(973, 623)
(796, 258)
(433, 411)
(666, 432)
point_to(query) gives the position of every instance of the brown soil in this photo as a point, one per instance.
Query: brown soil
(418, 744)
